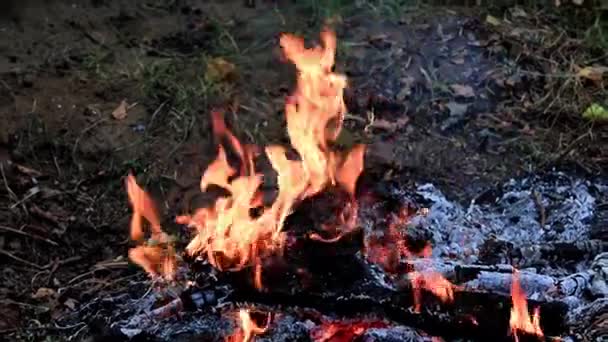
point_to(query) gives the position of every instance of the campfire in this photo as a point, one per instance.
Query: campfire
(302, 249)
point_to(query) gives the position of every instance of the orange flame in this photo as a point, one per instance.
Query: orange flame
(157, 256)
(520, 318)
(387, 252)
(435, 283)
(248, 328)
(227, 233)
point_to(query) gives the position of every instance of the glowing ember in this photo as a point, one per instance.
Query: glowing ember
(520, 318)
(389, 249)
(227, 233)
(344, 331)
(248, 328)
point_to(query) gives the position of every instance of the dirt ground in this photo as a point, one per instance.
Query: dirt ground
(461, 97)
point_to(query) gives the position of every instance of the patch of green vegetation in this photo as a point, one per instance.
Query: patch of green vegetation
(180, 83)
(596, 36)
(393, 9)
(326, 9)
(331, 11)
(97, 63)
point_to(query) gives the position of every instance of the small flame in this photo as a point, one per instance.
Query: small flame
(520, 318)
(248, 328)
(431, 281)
(157, 256)
(388, 250)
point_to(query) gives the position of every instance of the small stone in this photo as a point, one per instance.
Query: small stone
(28, 80)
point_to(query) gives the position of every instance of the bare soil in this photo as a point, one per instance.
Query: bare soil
(439, 94)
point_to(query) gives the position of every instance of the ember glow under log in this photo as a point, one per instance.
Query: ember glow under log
(308, 248)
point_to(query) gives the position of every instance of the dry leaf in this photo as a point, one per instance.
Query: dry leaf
(120, 112)
(595, 74)
(43, 293)
(71, 303)
(28, 171)
(457, 109)
(219, 69)
(458, 60)
(492, 20)
(462, 90)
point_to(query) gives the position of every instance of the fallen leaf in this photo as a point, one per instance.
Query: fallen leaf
(71, 303)
(596, 112)
(28, 171)
(458, 60)
(492, 20)
(43, 293)
(120, 112)
(219, 69)
(462, 90)
(457, 109)
(518, 12)
(595, 73)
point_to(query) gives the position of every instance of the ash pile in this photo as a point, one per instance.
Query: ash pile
(361, 288)
(293, 245)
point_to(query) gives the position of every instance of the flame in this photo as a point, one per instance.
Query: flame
(248, 328)
(388, 250)
(157, 256)
(227, 233)
(433, 282)
(520, 318)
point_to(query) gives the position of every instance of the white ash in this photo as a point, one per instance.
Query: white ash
(394, 334)
(514, 216)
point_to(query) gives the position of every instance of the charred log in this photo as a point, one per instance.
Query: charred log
(472, 314)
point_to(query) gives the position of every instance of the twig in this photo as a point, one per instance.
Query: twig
(21, 232)
(23, 261)
(538, 202)
(31, 192)
(160, 107)
(8, 188)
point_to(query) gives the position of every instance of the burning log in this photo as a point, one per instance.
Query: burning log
(472, 314)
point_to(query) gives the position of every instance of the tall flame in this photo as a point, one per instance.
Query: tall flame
(156, 256)
(520, 318)
(227, 232)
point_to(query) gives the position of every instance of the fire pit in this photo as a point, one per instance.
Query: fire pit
(307, 249)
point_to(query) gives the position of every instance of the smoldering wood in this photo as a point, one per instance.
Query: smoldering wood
(472, 314)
